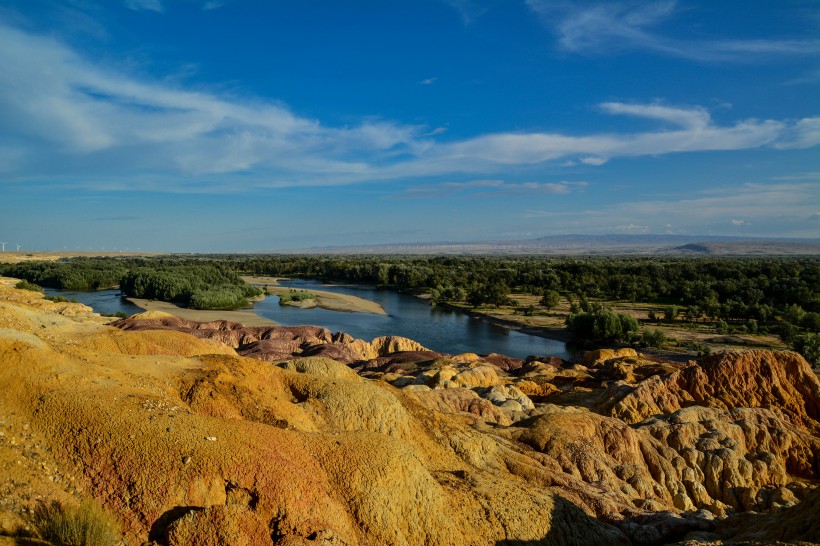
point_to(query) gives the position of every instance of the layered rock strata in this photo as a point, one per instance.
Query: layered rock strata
(325, 439)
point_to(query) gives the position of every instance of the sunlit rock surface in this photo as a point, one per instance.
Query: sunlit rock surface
(321, 438)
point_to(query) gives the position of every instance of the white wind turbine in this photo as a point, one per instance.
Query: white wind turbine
(4, 245)
(18, 247)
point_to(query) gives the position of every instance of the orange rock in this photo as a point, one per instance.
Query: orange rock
(189, 443)
(781, 380)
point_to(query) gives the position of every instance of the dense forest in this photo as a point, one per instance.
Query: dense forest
(198, 284)
(782, 294)
(728, 288)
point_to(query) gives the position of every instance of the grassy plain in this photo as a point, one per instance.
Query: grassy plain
(19, 256)
(682, 337)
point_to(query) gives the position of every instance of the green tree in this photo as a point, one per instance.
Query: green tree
(25, 285)
(653, 338)
(811, 322)
(603, 324)
(808, 345)
(794, 314)
(550, 299)
(693, 312)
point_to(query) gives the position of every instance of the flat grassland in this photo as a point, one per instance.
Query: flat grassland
(682, 336)
(18, 256)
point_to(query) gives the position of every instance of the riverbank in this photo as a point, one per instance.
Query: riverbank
(332, 301)
(242, 316)
(558, 334)
(684, 340)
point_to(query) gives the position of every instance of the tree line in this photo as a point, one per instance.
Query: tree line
(728, 288)
(194, 283)
(738, 294)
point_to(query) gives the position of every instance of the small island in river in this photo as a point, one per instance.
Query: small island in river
(331, 301)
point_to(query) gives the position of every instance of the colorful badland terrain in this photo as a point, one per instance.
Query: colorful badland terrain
(213, 433)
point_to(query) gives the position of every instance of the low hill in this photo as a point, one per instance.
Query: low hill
(581, 245)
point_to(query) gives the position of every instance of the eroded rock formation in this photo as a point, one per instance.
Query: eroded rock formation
(325, 439)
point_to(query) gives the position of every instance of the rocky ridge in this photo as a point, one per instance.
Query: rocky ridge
(324, 439)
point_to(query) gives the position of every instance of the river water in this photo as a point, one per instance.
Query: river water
(436, 328)
(104, 302)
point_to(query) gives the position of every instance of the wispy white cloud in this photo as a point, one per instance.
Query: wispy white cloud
(782, 209)
(436, 131)
(631, 228)
(607, 27)
(66, 117)
(803, 134)
(64, 110)
(810, 77)
(145, 5)
(487, 188)
(428, 81)
(799, 176)
(693, 117)
(469, 10)
(695, 132)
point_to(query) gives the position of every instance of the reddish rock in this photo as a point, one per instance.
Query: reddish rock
(781, 380)
(503, 362)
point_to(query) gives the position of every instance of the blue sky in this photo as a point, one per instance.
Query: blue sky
(218, 126)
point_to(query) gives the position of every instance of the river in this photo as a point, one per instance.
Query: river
(436, 328)
(104, 302)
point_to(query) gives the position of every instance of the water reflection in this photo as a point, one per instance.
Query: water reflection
(104, 302)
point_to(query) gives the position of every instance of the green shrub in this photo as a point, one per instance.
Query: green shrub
(25, 285)
(653, 338)
(603, 324)
(808, 345)
(302, 295)
(61, 299)
(86, 524)
(550, 299)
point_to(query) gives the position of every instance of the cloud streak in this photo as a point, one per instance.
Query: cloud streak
(490, 188)
(145, 5)
(786, 208)
(67, 118)
(605, 28)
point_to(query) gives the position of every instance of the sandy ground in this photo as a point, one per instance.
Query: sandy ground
(242, 316)
(15, 256)
(326, 300)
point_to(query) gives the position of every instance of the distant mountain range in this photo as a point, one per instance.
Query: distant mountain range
(580, 245)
